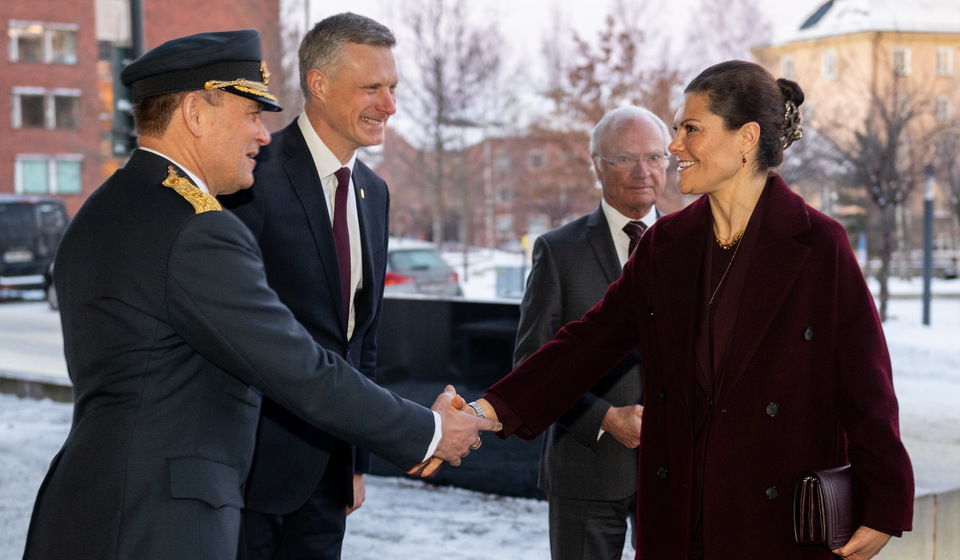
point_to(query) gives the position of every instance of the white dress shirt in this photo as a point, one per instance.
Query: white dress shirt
(327, 164)
(616, 221)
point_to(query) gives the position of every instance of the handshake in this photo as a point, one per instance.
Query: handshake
(461, 431)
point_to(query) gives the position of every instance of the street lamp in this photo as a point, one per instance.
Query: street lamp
(928, 240)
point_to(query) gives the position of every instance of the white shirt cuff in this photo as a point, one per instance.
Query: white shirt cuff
(437, 434)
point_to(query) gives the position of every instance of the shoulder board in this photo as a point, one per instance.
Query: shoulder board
(201, 201)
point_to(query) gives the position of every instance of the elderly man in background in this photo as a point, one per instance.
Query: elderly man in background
(588, 464)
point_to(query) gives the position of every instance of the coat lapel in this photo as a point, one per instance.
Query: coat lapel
(677, 255)
(776, 258)
(598, 236)
(303, 176)
(365, 303)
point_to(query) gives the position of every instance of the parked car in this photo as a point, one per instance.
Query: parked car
(416, 267)
(30, 232)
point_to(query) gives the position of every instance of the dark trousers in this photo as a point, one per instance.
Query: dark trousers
(315, 531)
(589, 529)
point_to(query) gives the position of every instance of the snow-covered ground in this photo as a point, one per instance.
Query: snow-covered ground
(405, 518)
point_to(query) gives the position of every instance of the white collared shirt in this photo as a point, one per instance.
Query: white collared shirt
(327, 164)
(616, 221)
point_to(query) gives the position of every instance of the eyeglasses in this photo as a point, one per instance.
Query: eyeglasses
(629, 161)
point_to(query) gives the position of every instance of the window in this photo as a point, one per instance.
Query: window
(40, 174)
(50, 109)
(828, 65)
(901, 61)
(66, 110)
(786, 67)
(503, 163)
(902, 106)
(46, 43)
(941, 108)
(944, 61)
(535, 160)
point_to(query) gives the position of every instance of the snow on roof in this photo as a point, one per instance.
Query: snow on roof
(844, 17)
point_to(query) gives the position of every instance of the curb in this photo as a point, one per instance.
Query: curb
(26, 385)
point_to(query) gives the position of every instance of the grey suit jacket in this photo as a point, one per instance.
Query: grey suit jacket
(171, 335)
(572, 267)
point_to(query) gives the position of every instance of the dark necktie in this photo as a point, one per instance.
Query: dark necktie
(634, 231)
(341, 234)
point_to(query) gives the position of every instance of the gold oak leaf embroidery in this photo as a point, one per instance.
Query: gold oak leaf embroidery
(201, 201)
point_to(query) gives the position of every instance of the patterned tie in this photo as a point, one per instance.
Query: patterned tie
(634, 231)
(341, 234)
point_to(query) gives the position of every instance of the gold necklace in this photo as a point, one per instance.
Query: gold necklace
(736, 242)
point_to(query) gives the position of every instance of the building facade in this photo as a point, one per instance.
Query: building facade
(64, 118)
(885, 72)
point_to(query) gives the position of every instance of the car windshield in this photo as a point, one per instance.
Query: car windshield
(416, 259)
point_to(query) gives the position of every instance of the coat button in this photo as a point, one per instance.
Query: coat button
(773, 409)
(662, 472)
(808, 334)
(773, 493)
(663, 396)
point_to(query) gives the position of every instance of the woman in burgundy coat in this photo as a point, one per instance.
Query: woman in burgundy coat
(763, 353)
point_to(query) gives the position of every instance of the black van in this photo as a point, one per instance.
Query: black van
(30, 231)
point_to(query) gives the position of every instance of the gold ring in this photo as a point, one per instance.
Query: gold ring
(477, 445)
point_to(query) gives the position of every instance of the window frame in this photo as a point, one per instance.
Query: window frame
(943, 62)
(50, 121)
(52, 169)
(900, 60)
(828, 64)
(46, 30)
(787, 67)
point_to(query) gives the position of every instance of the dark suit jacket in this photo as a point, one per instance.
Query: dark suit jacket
(572, 268)
(171, 333)
(287, 214)
(807, 382)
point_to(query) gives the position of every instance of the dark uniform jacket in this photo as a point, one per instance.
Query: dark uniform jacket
(171, 334)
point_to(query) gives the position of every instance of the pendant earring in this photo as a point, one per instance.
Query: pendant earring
(743, 159)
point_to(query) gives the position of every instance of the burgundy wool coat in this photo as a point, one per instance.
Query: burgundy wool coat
(806, 384)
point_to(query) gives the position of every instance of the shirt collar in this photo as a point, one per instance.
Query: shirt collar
(618, 220)
(327, 163)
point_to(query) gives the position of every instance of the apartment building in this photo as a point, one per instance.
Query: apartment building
(64, 118)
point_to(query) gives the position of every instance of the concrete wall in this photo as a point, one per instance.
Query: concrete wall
(936, 530)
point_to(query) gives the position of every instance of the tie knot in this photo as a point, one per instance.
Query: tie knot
(635, 229)
(343, 176)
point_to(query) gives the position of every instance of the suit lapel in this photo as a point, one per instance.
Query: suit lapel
(303, 176)
(677, 255)
(776, 258)
(598, 236)
(364, 304)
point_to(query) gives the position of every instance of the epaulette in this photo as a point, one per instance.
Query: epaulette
(201, 201)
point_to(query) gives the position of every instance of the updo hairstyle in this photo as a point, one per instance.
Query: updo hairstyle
(740, 92)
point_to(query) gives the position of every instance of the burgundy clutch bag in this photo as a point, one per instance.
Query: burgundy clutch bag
(826, 507)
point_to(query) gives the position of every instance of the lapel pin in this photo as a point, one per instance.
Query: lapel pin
(361, 194)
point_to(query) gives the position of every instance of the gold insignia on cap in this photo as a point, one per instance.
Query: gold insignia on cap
(264, 72)
(243, 85)
(201, 201)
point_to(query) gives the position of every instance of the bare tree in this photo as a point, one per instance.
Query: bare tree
(625, 64)
(885, 155)
(455, 59)
(724, 30)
